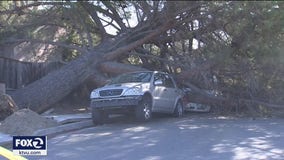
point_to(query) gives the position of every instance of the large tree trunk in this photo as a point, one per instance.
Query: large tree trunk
(40, 95)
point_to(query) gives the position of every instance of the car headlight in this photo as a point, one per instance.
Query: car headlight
(133, 91)
(94, 94)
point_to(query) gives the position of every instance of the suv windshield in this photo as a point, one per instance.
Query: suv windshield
(132, 77)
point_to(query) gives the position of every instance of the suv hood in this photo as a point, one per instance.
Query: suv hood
(120, 86)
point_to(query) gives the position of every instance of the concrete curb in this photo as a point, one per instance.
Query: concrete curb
(51, 131)
(70, 118)
(63, 128)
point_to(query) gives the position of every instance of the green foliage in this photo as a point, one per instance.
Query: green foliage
(255, 58)
(68, 23)
(244, 38)
(134, 60)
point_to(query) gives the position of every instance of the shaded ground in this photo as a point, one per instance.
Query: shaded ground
(71, 105)
(167, 138)
(70, 108)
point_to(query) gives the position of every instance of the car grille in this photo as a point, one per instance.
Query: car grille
(111, 92)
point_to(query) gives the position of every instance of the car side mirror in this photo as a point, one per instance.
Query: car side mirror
(108, 81)
(158, 82)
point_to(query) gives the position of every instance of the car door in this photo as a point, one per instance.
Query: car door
(159, 94)
(172, 93)
(164, 93)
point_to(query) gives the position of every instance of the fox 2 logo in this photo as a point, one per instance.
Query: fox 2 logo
(29, 142)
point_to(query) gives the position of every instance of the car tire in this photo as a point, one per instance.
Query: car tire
(98, 116)
(179, 110)
(143, 111)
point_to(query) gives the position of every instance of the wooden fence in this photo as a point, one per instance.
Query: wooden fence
(17, 74)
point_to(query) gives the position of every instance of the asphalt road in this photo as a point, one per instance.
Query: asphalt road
(167, 138)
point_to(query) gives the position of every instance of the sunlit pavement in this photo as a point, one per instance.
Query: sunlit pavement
(173, 139)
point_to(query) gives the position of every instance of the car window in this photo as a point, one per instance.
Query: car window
(159, 76)
(169, 82)
(132, 77)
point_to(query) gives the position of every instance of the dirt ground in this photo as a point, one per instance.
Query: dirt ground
(25, 122)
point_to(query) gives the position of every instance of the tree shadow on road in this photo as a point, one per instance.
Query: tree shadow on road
(171, 138)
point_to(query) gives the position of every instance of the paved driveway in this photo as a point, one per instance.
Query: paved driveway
(167, 138)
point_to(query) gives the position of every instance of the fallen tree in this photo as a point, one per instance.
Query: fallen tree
(41, 94)
(162, 40)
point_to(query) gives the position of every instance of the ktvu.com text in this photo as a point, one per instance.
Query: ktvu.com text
(30, 145)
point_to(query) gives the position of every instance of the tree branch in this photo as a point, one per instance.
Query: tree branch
(115, 16)
(110, 23)
(61, 44)
(92, 11)
(131, 46)
(118, 68)
(18, 9)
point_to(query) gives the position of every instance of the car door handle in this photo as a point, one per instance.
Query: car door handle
(165, 89)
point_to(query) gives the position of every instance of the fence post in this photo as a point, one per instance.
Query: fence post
(2, 88)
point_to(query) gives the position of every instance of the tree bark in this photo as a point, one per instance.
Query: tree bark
(40, 95)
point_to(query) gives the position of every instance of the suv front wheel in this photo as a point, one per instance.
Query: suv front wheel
(143, 111)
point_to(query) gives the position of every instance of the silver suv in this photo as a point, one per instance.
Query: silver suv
(138, 93)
